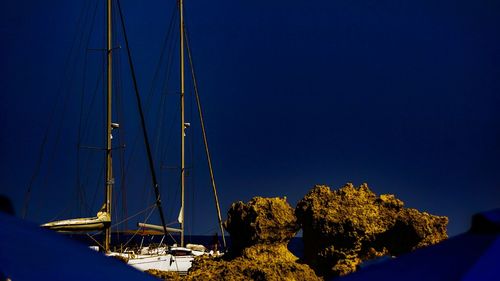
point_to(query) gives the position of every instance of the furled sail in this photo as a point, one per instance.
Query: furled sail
(99, 222)
(158, 227)
(180, 218)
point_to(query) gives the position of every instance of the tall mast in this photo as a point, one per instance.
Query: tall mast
(109, 169)
(183, 124)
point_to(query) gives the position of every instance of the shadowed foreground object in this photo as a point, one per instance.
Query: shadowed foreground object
(474, 255)
(6, 205)
(29, 252)
(344, 227)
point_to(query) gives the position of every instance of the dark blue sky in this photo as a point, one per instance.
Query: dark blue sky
(403, 95)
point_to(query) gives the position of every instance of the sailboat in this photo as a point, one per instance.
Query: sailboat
(168, 258)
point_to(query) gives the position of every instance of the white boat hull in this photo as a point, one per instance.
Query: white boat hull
(178, 259)
(180, 264)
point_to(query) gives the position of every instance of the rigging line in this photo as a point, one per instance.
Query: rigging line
(144, 186)
(59, 130)
(134, 215)
(87, 181)
(159, 126)
(78, 191)
(39, 160)
(149, 99)
(158, 134)
(172, 237)
(85, 123)
(157, 71)
(104, 93)
(115, 85)
(194, 170)
(121, 133)
(164, 45)
(170, 61)
(139, 229)
(176, 194)
(172, 223)
(122, 159)
(101, 77)
(168, 72)
(84, 206)
(143, 122)
(92, 100)
(91, 105)
(164, 87)
(205, 141)
(174, 118)
(191, 170)
(99, 180)
(64, 210)
(168, 46)
(168, 68)
(95, 241)
(169, 137)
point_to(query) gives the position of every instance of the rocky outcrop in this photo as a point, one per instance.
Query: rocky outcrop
(164, 275)
(260, 221)
(257, 262)
(345, 227)
(341, 229)
(260, 231)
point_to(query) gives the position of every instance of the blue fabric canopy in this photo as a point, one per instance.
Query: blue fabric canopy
(28, 252)
(474, 255)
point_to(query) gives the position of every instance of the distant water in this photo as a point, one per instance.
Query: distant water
(118, 240)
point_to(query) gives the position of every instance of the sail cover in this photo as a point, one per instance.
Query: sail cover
(158, 227)
(99, 222)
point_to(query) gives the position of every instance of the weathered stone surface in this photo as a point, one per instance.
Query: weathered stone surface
(260, 221)
(342, 228)
(257, 262)
(164, 275)
(260, 231)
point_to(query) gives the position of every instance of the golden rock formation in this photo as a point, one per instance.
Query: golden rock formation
(257, 262)
(344, 227)
(260, 231)
(260, 221)
(164, 275)
(341, 229)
